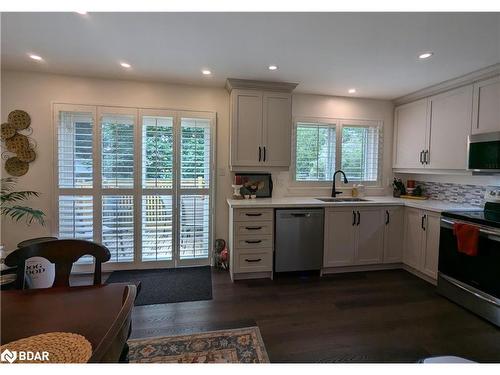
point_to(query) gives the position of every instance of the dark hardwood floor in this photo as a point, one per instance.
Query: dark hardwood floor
(382, 316)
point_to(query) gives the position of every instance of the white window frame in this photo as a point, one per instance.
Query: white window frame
(137, 191)
(338, 123)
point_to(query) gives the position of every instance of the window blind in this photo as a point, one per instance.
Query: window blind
(157, 222)
(194, 226)
(118, 226)
(76, 217)
(74, 141)
(157, 152)
(315, 152)
(195, 153)
(117, 133)
(360, 152)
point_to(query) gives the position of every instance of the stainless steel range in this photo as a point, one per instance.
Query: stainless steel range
(472, 281)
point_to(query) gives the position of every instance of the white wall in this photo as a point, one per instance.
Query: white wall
(306, 105)
(35, 92)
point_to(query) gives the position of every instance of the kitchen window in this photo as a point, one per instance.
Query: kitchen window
(323, 146)
(138, 181)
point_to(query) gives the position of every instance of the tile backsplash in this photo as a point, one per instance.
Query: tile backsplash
(456, 193)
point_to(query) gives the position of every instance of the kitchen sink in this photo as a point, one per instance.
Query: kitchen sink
(333, 200)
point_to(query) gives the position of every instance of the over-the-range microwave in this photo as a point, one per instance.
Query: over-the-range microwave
(484, 153)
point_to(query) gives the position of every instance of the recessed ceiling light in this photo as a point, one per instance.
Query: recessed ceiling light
(36, 57)
(206, 72)
(425, 55)
(125, 65)
(351, 91)
(273, 67)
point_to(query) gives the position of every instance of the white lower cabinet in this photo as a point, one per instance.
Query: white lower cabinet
(421, 240)
(353, 236)
(393, 234)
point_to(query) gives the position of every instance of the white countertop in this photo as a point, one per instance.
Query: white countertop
(431, 205)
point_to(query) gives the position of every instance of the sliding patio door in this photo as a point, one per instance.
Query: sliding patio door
(140, 181)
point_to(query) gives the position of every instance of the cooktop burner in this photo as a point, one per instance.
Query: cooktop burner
(489, 216)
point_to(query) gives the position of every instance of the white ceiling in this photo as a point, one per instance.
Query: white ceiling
(326, 53)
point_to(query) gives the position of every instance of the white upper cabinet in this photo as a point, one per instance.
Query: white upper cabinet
(410, 131)
(486, 113)
(277, 126)
(261, 123)
(246, 127)
(449, 127)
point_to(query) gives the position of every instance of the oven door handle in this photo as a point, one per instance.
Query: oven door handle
(459, 285)
(494, 235)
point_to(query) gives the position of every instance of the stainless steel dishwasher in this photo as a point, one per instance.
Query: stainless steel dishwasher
(298, 240)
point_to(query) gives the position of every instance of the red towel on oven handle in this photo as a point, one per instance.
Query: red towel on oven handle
(467, 238)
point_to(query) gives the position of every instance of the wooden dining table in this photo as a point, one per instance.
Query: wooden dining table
(100, 313)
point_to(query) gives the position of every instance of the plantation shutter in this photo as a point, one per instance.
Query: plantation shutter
(360, 152)
(118, 226)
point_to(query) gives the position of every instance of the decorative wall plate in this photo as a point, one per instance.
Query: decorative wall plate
(16, 167)
(27, 155)
(17, 143)
(19, 119)
(8, 131)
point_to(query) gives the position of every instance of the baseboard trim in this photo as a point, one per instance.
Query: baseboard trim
(419, 274)
(368, 267)
(251, 275)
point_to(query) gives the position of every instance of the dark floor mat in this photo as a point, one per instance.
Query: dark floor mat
(168, 285)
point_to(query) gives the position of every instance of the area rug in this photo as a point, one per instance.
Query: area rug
(241, 345)
(167, 285)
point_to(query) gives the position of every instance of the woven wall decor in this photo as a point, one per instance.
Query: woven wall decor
(8, 131)
(16, 167)
(19, 119)
(17, 143)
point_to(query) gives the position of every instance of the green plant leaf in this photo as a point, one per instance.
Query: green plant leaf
(18, 196)
(17, 213)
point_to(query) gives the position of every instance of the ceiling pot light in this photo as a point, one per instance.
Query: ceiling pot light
(351, 91)
(425, 55)
(36, 57)
(206, 72)
(273, 67)
(125, 65)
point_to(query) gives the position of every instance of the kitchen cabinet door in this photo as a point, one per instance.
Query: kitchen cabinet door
(410, 128)
(393, 235)
(450, 116)
(246, 128)
(486, 112)
(413, 239)
(339, 238)
(370, 236)
(277, 124)
(431, 246)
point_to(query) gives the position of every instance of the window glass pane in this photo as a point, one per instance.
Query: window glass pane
(195, 153)
(157, 227)
(118, 226)
(117, 151)
(315, 152)
(360, 152)
(194, 226)
(157, 152)
(74, 142)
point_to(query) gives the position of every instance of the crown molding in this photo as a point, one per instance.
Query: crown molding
(467, 79)
(248, 84)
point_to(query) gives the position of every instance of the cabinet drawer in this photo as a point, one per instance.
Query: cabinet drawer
(253, 242)
(255, 214)
(253, 228)
(254, 261)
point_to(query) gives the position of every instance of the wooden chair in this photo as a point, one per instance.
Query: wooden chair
(62, 253)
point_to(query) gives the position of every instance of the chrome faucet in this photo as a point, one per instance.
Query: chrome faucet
(334, 191)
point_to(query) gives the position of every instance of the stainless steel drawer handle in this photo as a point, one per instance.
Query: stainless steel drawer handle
(253, 228)
(253, 214)
(253, 241)
(253, 260)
